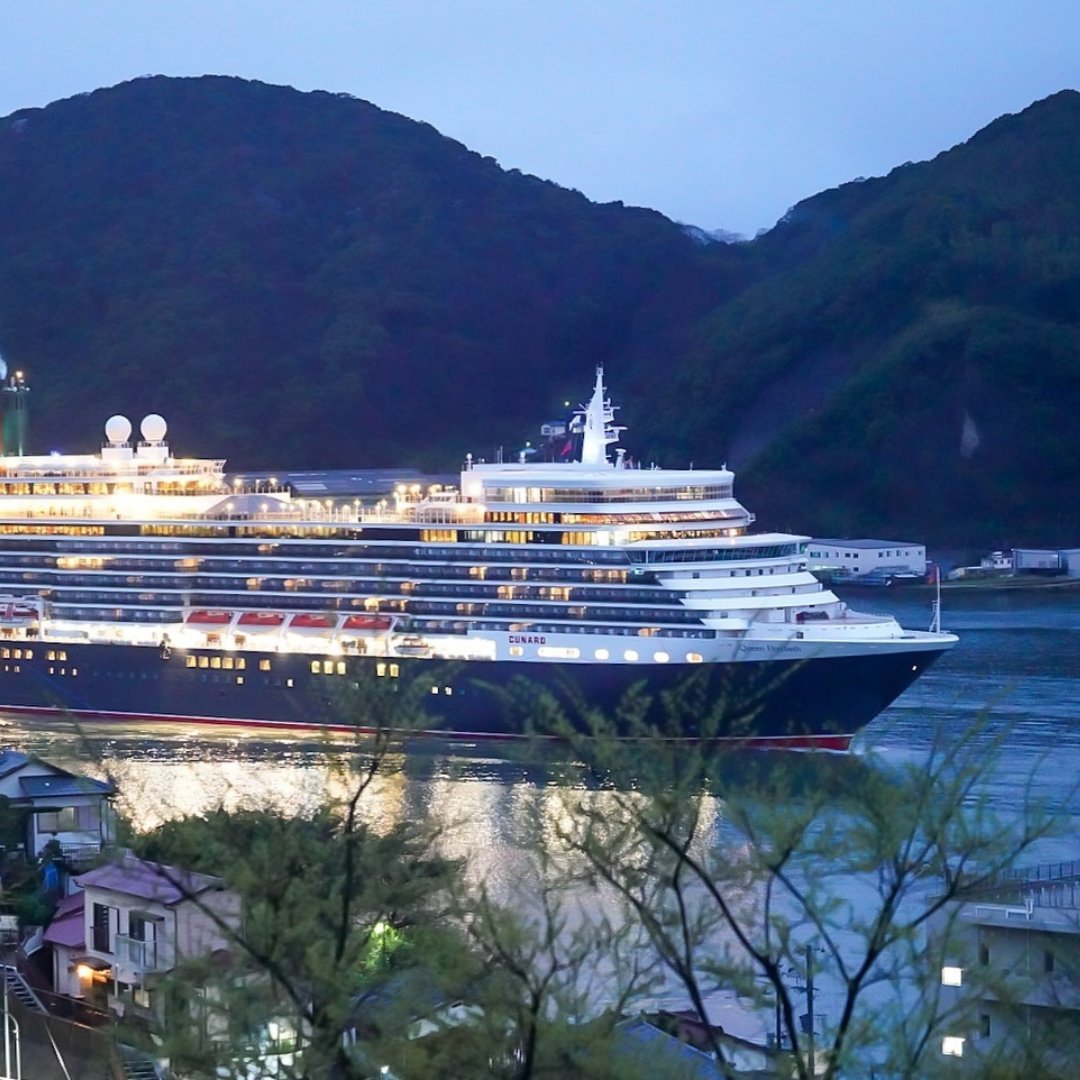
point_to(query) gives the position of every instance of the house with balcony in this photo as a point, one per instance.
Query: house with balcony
(132, 923)
(1010, 982)
(75, 811)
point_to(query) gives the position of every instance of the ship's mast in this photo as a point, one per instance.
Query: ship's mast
(598, 427)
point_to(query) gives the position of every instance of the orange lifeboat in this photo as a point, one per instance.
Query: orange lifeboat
(313, 620)
(268, 620)
(367, 622)
(209, 618)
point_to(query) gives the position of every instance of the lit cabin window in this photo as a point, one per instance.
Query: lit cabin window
(227, 663)
(314, 667)
(516, 650)
(264, 665)
(241, 663)
(693, 658)
(395, 671)
(630, 655)
(239, 680)
(190, 661)
(328, 667)
(602, 654)
(204, 661)
(952, 976)
(558, 652)
(661, 657)
(215, 662)
(380, 670)
(341, 667)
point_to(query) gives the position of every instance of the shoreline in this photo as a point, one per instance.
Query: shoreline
(987, 584)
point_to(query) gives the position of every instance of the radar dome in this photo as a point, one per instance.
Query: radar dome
(117, 429)
(153, 428)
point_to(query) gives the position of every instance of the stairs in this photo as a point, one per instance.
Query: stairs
(137, 1065)
(20, 989)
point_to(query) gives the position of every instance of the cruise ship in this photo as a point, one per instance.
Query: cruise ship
(138, 585)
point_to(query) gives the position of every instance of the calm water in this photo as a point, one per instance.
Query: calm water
(1017, 666)
(1015, 676)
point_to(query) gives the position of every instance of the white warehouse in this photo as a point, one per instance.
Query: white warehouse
(859, 557)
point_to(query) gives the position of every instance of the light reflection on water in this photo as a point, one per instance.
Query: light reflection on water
(1014, 676)
(1017, 668)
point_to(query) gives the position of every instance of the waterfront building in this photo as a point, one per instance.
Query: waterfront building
(859, 558)
(74, 811)
(1010, 983)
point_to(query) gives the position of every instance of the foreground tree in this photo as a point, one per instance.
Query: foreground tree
(782, 876)
(668, 870)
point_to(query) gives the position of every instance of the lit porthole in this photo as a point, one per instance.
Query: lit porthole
(434, 689)
(602, 654)
(630, 655)
(661, 657)
(516, 650)
(693, 658)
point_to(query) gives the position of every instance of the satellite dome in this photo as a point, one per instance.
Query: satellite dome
(153, 428)
(117, 429)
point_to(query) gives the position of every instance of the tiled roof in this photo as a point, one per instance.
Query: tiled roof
(148, 880)
(63, 785)
(67, 927)
(11, 761)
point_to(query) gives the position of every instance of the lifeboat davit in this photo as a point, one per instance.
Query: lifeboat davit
(209, 618)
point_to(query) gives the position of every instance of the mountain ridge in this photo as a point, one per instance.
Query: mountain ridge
(305, 280)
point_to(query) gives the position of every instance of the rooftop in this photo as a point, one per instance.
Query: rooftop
(148, 880)
(865, 545)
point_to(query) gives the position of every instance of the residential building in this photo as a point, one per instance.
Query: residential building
(1011, 976)
(139, 920)
(75, 811)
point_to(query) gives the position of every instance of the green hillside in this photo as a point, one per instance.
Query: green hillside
(909, 362)
(304, 280)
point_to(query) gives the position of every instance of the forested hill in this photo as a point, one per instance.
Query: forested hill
(306, 280)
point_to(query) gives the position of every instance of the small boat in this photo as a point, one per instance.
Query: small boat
(412, 645)
(209, 618)
(367, 622)
(313, 620)
(254, 620)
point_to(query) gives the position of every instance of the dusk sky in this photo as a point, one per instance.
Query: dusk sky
(717, 113)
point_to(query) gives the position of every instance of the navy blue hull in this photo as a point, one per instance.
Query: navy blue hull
(821, 702)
